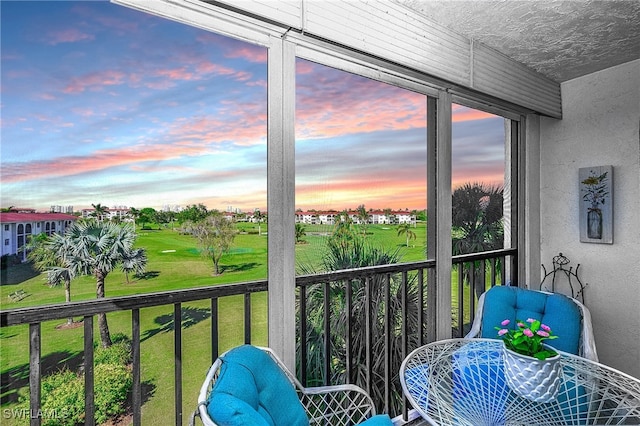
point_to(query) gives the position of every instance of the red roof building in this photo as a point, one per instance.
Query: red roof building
(16, 228)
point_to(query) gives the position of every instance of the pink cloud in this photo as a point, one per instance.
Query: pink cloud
(304, 67)
(355, 104)
(99, 160)
(84, 112)
(69, 35)
(95, 81)
(342, 113)
(248, 128)
(120, 26)
(249, 53)
(177, 74)
(460, 114)
(206, 67)
(233, 48)
(341, 194)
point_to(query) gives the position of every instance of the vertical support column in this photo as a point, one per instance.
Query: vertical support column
(443, 213)
(510, 196)
(529, 253)
(432, 215)
(281, 199)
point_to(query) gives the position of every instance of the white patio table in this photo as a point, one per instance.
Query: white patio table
(461, 382)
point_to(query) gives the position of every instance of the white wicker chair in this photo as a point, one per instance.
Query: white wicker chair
(587, 341)
(326, 405)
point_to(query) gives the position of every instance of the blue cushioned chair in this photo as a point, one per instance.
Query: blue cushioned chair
(251, 386)
(569, 319)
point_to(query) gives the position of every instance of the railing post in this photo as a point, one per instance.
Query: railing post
(247, 318)
(303, 334)
(215, 345)
(34, 374)
(327, 333)
(135, 358)
(349, 307)
(89, 404)
(177, 341)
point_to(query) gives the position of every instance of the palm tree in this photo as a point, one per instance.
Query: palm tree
(135, 214)
(300, 232)
(363, 218)
(477, 223)
(134, 261)
(99, 211)
(343, 228)
(98, 249)
(388, 213)
(259, 217)
(52, 254)
(367, 295)
(405, 228)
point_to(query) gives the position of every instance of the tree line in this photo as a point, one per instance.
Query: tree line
(95, 247)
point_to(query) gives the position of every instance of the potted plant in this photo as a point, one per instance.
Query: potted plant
(595, 193)
(531, 367)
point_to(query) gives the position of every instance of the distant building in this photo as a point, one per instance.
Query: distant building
(175, 208)
(16, 229)
(61, 209)
(115, 213)
(373, 217)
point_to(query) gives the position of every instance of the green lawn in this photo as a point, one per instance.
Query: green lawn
(174, 263)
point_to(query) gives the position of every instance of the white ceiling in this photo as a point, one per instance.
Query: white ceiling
(559, 38)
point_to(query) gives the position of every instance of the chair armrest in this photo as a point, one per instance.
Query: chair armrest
(588, 343)
(477, 320)
(201, 410)
(339, 404)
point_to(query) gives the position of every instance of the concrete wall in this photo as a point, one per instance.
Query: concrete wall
(600, 126)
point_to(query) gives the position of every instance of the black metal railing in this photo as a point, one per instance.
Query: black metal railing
(366, 321)
(356, 326)
(475, 274)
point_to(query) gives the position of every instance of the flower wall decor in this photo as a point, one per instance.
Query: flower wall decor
(596, 204)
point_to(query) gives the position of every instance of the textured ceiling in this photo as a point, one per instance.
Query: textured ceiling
(560, 39)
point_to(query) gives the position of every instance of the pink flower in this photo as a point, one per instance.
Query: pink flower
(542, 333)
(545, 327)
(530, 320)
(521, 325)
(503, 332)
(505, 322)
(527, 332)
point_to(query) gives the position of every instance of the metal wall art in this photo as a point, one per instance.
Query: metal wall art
(563, 272)
(596, 204)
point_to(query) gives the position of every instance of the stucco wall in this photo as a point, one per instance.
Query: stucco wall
(600, 126)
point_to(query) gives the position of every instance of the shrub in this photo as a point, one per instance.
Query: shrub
(119, 353)
(112, 385)
(63, 391)
(9, 260)
(63, 399)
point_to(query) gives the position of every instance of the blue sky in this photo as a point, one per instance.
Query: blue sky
(104, 104)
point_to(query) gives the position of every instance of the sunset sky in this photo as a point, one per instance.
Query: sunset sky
(104, 104)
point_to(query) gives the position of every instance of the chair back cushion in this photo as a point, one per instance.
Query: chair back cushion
(252, 389)
(555, 310)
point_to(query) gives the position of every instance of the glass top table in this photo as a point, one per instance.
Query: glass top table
(461, 382)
